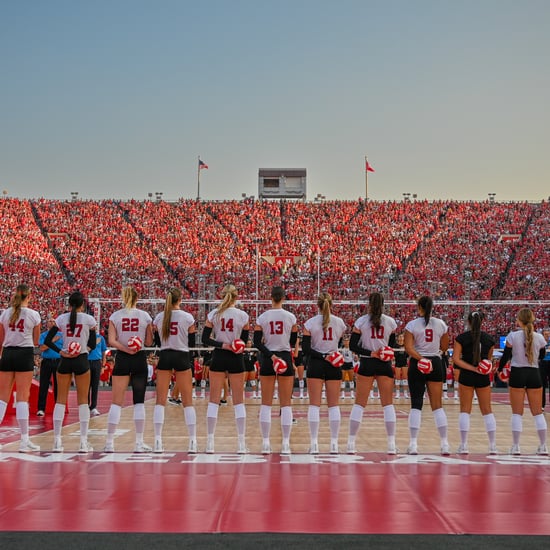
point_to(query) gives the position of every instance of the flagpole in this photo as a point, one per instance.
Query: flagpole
(366, 179)
(199, 178)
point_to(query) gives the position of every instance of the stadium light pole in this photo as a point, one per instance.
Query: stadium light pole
(491, 197)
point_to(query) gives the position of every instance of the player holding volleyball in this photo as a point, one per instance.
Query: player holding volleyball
(226, 329)
(79, 335)
(19, 334)
(130, 329)
(524, 349)
(321, 340)
(472, 353)
(426, 337)
(370, 339)
(275, 335)
(177, 331)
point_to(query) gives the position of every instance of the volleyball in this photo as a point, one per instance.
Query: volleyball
(279, 365)
(425, 366)
(336, 359)
(484, 366)
(386, 354)
(74, 348)
(237, 346)
(135, 343)
(505, 373)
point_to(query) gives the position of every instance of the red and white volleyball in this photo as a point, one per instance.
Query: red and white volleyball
(386, 354)
(135, 343)
(505, 373)
(74, 348)
(237, 346)
(484, 366)
(336, 359)
(425, 366)
(279, 365)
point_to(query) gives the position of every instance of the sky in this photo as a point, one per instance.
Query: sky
(119, 98)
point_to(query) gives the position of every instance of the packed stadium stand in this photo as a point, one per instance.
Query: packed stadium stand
(454, 251)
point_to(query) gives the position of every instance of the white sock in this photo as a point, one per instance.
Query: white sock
(158, 420)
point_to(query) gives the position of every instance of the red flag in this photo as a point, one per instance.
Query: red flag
(202, 165)
(368, 167)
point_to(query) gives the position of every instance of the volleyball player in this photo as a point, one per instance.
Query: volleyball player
(298, 356)
(401, 362)
(19, 335)
(225, 325)
(524, 349)
(177, 332)
(79, 335)
(275, 335)
(321, 340)
(130, 366)
(470, 348)
(372, 332)
(426, 337)
(348, 375)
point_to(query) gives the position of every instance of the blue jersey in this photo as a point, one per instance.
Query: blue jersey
(50, 353)
(101, 347)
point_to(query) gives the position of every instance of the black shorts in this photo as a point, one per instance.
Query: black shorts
(319, 368)
(74, 365)
(473, 379)
(525, 377)
(438, 373)
(347, 366)
(226, 361)
(15, 359)
(266, 364)
(371, 366)
(171, 359)
(130, 365)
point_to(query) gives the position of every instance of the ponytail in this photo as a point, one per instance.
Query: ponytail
(229, 297)
(76, 300)
(324, 301)
(129, 297)
(21, 294)
(475, 320)
(376, 305)
(427, 304)
(527, 319)
(173, 298)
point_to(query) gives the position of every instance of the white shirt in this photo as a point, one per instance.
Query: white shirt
(20, 334)
(81, 334)
(229, 325)
(373, 338)
(180, 323)
(516, 339)
(129, 323)
(325, 340)
(277, 327)
(427, 337)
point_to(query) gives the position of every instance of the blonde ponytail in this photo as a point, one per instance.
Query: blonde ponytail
(173, 298)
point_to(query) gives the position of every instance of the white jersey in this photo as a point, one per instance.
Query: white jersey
(129, 323)
(81, 334)
(229, 325)
(516, 339)
(325, 340)
(180, 323)
(427, 337)
(20, 333)
(373, 338)
(348, 355)
(277, 327)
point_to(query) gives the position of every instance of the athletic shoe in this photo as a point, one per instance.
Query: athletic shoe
(285, 450)
(397, 395)
(412, 449)
(142, 448)
(57, 445)
(40, 413)
(392, 449)
(173, 401)
(342, 395)
(158, 446)
(210, 444)
(94, 412)
(241, 449)
(463, 450)
(192, 449)
(405, 395)
(334, 448)
(28, 447)
(109, 448)
(266, 448)
(351, 448)
(445, 449)
(542, 450)
(85, 447)
(314, 448)
(515, 450)
(493, 449)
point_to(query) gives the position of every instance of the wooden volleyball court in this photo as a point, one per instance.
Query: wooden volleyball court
(367, 493)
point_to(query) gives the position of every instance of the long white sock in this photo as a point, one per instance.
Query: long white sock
(139, 421)
(265, 421)
(158, 420)
(22, 415)
(84, 419)
(58, 416)
(355, 419)
(113, 419)
(3, 407)
(334, 419)
(464, 427)
(517, 428)
(491, 427)
(313, 421)
(240, 419)
(415, 420)
(286, 422)
(390, 420)
(541, 426)
(211, 418)
(190, 416)
(441, 423)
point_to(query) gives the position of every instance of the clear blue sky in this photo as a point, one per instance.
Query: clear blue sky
(117, 98)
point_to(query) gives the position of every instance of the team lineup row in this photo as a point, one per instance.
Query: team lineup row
(275, 333)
